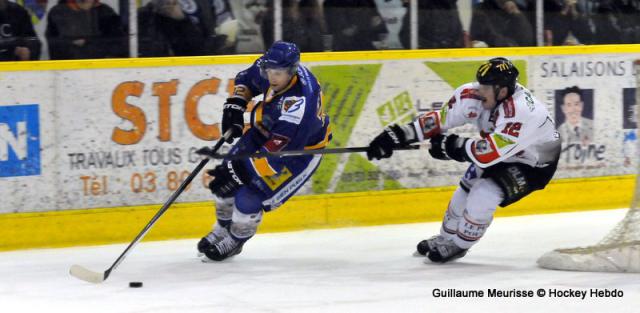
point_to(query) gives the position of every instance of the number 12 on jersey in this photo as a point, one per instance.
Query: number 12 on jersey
(512, 129)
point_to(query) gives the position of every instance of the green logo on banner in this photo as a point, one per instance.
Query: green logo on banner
(398, 110)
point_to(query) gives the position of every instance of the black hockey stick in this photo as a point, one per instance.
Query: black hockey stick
(96, 277)
(212, 153)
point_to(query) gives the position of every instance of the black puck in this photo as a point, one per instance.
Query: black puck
(135, 284)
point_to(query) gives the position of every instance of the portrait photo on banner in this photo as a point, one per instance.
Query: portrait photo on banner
(574, 114)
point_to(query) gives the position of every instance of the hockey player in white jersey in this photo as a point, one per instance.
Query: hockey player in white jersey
(517, 153)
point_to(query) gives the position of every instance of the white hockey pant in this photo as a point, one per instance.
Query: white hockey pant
(469, 214)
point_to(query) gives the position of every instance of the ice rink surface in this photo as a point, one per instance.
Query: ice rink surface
(366, 269)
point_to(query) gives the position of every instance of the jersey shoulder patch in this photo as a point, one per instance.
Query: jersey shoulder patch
(293, 108)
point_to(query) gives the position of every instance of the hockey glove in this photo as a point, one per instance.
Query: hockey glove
(227, 178)
(382, 146)
(232, 117)
(449, 147)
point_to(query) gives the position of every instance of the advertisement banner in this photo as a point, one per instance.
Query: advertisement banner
(593, 101)
(73, 139)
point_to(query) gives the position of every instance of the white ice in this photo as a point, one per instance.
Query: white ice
(366, 269)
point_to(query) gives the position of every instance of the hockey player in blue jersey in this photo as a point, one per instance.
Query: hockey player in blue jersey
(289, 117)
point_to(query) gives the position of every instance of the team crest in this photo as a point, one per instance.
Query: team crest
(292, 104)
(293, 109)
(483, 147)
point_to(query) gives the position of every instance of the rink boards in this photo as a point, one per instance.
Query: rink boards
(90, 149)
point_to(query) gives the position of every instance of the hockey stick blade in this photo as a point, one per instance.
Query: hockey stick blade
(82, 273)
(96, 278)
(208, 152)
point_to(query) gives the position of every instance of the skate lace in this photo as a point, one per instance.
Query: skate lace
(436, 241)
(448, 249)
(226, 245)
(217, 234)
(211, 237)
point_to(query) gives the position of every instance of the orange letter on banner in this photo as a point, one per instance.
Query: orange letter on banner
(199, 129)
(164, 91)
(128, 112)
(231, 86)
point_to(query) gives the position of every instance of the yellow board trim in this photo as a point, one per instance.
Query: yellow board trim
(192, 220)
(315, 57)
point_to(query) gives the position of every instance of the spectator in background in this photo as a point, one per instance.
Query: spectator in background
(500, 23)
(221, 11)
(617, 21)
(439, 25)
(393, 13)
(18, 40)
(564, 19)
(226, 26)
(302, 24)
(249, 14)
(354, 24)
(85, 29)
(166, 28)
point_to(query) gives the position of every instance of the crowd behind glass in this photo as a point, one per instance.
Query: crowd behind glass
(83, 29)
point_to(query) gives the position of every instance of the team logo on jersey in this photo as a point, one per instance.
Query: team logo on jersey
(471, 112)
(529, 99)
(293, 109)
(292, 105)
(276, 143)
(483, 147)
(430, 124)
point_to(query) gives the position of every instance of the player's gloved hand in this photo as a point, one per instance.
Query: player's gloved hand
(448, 147)
(232, 117)
(382, 146)
(228, 177)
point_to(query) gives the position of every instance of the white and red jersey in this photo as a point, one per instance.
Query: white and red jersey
(519, 129)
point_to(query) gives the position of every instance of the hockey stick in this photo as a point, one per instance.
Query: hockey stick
(96, 277)
(211, 153)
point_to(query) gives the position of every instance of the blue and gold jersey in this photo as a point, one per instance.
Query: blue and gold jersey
(291, 119)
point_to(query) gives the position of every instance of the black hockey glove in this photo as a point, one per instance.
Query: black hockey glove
(391, 137)
(449, 147)
(228, 177)
(232, 117)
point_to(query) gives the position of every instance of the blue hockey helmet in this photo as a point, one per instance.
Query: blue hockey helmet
(283, 55)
